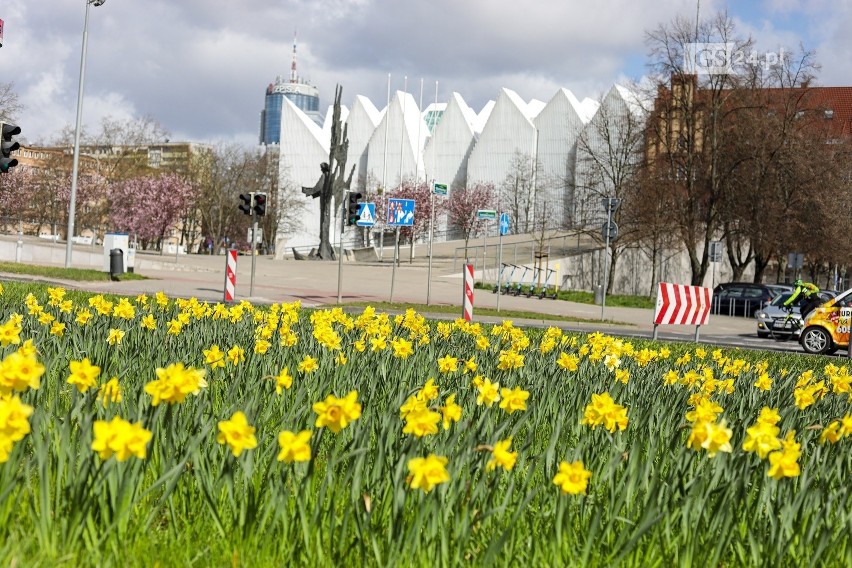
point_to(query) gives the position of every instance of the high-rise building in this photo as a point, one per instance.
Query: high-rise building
(302, 94)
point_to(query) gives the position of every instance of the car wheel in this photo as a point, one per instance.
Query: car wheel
(815, 340)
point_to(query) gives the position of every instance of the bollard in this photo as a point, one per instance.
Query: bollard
(116, 263)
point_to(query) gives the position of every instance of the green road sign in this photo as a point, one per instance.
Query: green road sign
(441, 189)
(489, 214)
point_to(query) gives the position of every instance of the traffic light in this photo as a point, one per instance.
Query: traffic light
(246, 206)
(7, 146)
(353, 215)
(260, 204)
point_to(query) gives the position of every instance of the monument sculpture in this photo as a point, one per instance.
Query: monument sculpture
(331, 187)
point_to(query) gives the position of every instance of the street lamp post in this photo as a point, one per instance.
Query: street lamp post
(73, 201)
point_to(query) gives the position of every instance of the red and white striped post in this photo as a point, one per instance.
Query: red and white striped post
(230, 274)
(678, 304)
(467, 301)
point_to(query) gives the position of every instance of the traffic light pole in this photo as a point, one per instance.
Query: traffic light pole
(253, 250)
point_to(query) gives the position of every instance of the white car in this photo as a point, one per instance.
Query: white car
(772, 319)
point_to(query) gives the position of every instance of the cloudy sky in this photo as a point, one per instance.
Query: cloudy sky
(200, 67)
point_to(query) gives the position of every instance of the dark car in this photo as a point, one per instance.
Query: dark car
(741, 298)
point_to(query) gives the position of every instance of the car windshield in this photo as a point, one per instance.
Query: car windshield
(781, 298)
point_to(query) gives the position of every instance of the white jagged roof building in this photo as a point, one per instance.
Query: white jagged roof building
(447, 142)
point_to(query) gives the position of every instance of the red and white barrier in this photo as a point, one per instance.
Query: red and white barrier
(467, 301)
(682, 305)
(230, 274)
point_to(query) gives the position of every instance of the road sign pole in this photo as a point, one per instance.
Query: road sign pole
(499, 260)
(395, 253)
(431, 237)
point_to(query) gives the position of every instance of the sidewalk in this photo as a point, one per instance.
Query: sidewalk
(314, 283)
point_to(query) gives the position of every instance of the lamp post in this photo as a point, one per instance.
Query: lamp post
(73, 201)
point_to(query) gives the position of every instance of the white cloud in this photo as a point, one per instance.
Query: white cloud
(200, 67)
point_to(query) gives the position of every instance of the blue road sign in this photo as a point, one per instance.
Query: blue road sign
(400, 212)
(504, 224)
(366, 215)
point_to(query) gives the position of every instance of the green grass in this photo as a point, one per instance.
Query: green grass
(581, 297)
(651, 500)
(397, 307)
(73, 274)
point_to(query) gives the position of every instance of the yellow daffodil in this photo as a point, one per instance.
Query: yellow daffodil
(294, 447)
(512, 400)
(501, 456)
(120, 438)
(337, 413)
(572, 478)
(84, 375)
(237, 433)
(426, 473)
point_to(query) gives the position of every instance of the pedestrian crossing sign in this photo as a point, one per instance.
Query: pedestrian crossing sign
(366, 215)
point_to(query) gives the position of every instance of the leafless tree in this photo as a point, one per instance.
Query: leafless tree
(609, 162)
(691, 106)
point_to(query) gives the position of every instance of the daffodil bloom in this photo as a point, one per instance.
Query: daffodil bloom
(14, 423)
(784, 462)
(413, 403)
(710, 436)
(283, 380)
(214, 357)
(20, 371)
(120, 438)
(451, 411)
(501, 456)
(110, 391)
(124, 309)
(612, 362)
(10, 333)
(261, 346)
(426, 473)
(448, 364)
(174, 383)
(470, 366)
(308, 365)
(337, 413)
(174, 327)
(512, 400)
(762, 438)
(489, 393)
(56, 295)
(572, 478)
(148, 322)
(603, 411)
(422, 422)
(830, 433)
(237, 433)
(236, 355)
(83, 317)
(45, 318)
(402, 348)
(622, 375)
(568, 362)
(294, 447)
(769, 416)
(115, 336)
(340, 359)
(509, 360)
(57, 329)
(429, 390)
(84, 375)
